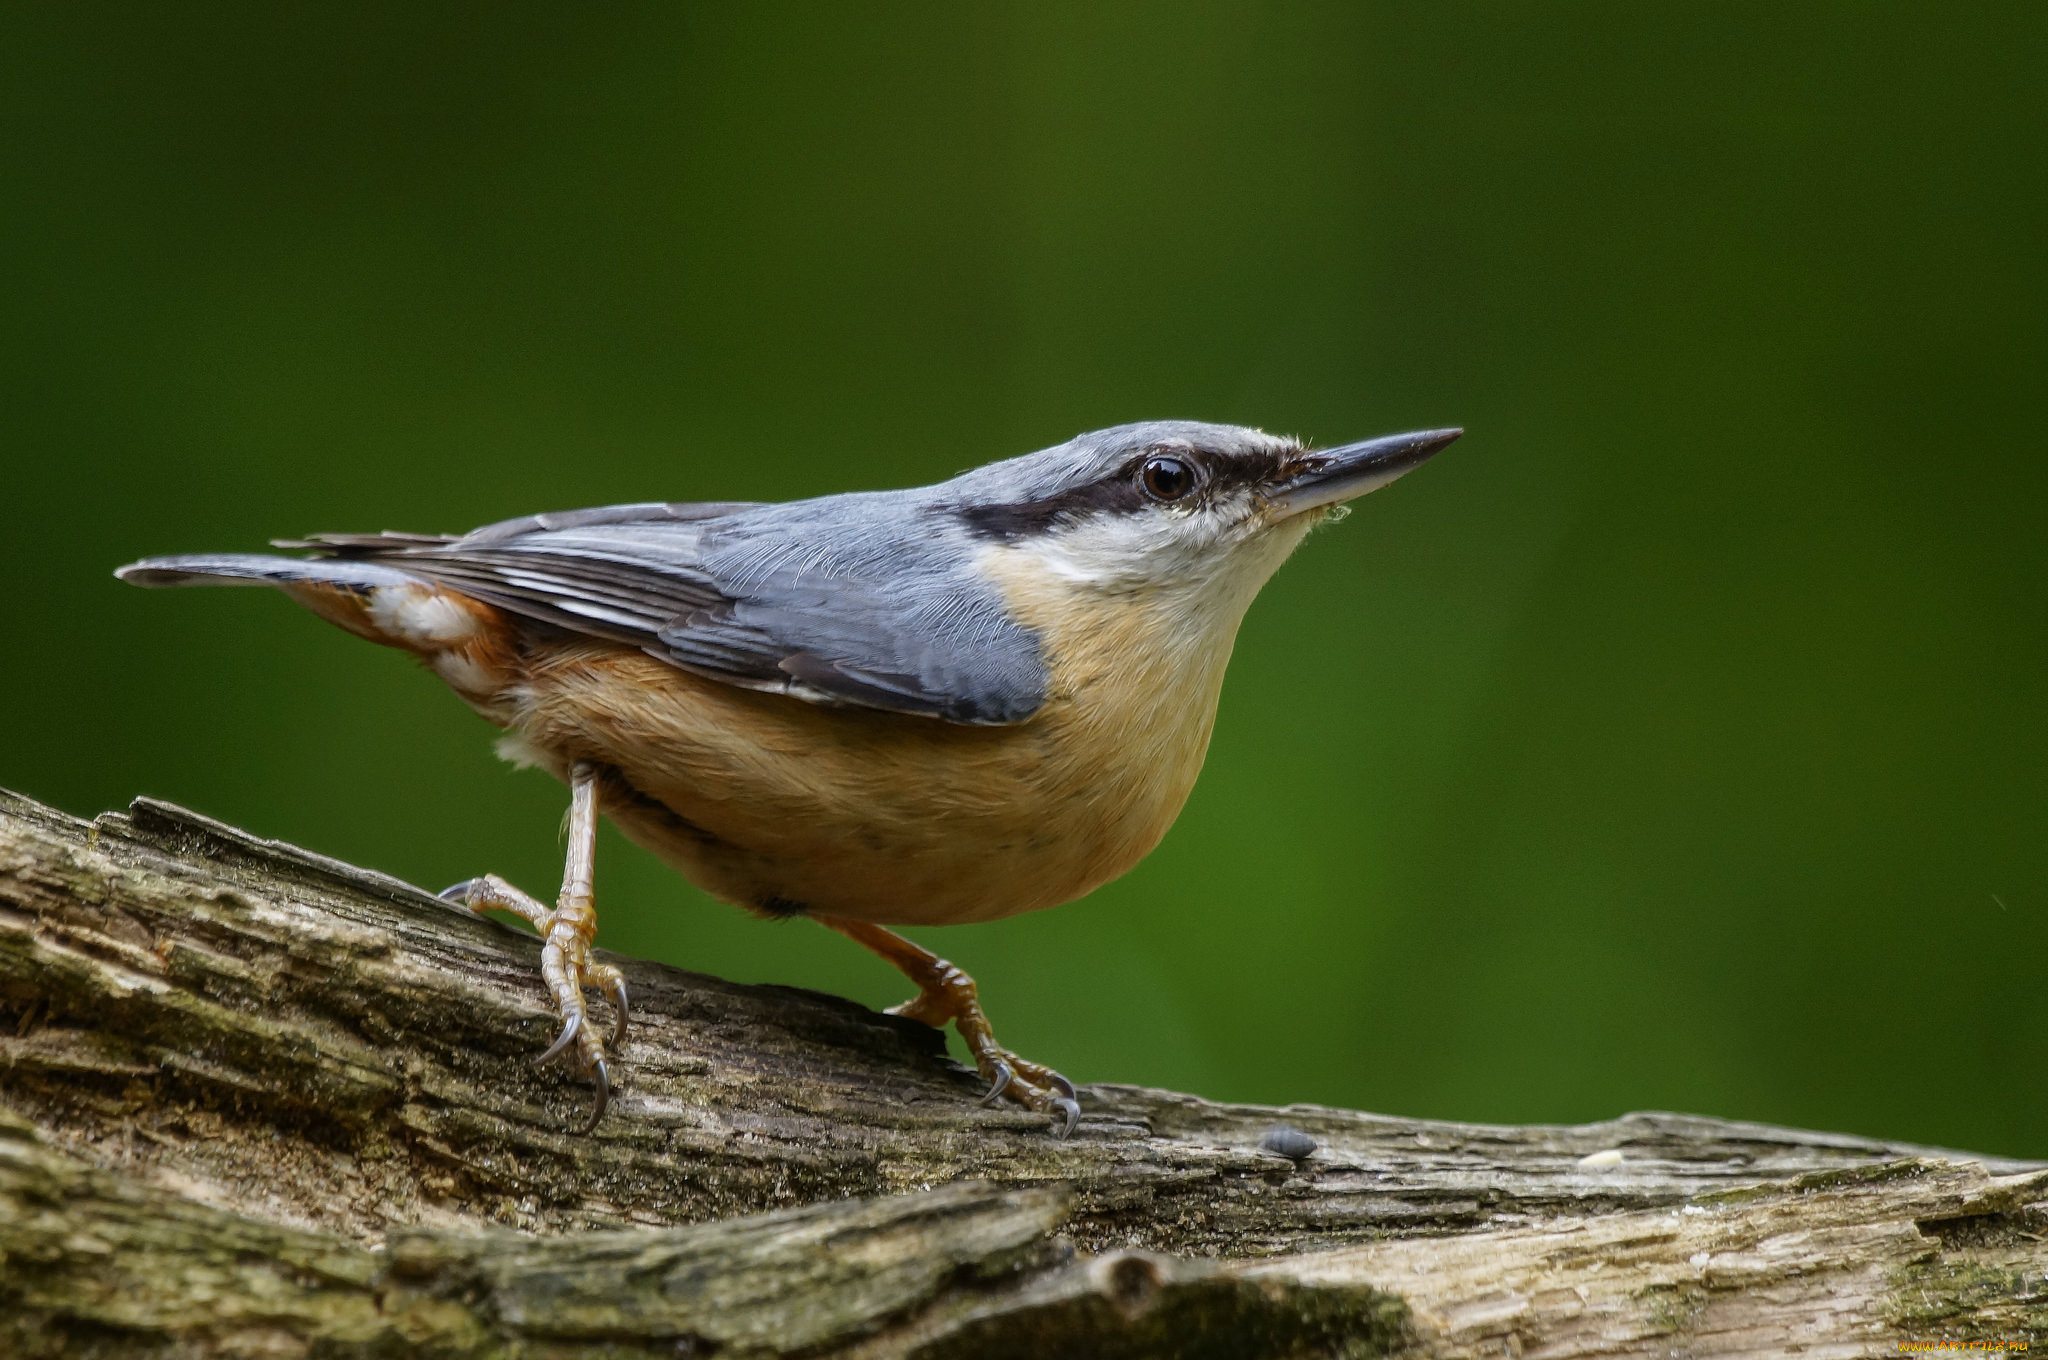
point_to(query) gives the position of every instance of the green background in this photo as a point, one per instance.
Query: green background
(1676, 740)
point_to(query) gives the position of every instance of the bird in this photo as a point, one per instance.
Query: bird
(928, 706)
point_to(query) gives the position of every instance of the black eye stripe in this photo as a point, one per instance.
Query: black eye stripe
(1119, 494)
(1123, 491)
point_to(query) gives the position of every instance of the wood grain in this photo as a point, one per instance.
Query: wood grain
(253, 1101)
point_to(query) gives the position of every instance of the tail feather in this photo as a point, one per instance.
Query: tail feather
(461, 638)
(259, 569)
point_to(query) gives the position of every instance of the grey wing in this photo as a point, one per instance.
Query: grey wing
(849, 600)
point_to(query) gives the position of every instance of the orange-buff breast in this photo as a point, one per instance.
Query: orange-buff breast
(781, 805)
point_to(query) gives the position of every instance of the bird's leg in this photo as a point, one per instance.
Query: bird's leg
(945, 993)
(566, 934)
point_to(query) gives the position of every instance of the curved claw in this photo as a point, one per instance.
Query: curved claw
(1066, 1087)
(615, 988)
(562, 1040)
(999, 1083)
(1071, 1108)
(458, 892)
(602, 1074)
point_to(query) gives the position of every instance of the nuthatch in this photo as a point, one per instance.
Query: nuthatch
(919, 707)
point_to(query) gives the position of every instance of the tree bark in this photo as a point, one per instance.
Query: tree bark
(257, 1102)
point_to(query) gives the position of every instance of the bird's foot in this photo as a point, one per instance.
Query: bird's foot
(949, 994)
(567, 968)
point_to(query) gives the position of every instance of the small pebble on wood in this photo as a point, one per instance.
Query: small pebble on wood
(1287, 1141)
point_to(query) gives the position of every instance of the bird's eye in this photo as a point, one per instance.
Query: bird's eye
(1168, 479)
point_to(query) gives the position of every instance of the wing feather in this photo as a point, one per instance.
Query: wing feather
(850, 600)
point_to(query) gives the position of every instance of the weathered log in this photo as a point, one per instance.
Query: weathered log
(254, 1101)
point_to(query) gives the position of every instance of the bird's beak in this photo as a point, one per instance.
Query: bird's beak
(1333, 476)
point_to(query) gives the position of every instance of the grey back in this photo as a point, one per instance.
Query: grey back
(867, 598)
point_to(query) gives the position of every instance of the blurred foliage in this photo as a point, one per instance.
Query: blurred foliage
(1677, 740)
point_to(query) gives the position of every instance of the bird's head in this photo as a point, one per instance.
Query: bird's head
(1177, 509)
